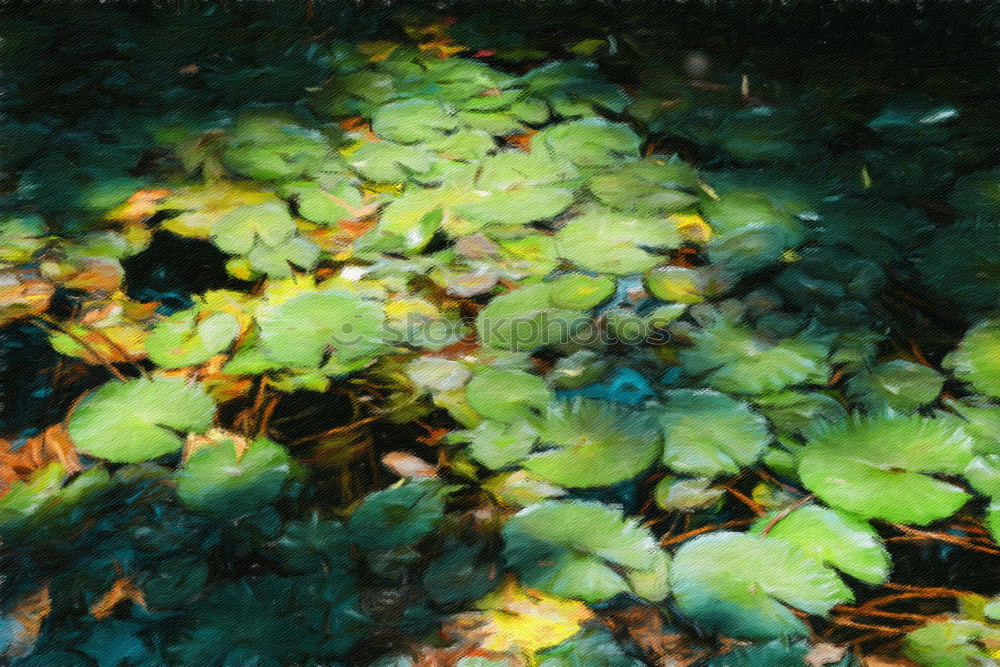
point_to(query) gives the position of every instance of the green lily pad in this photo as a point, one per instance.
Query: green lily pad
(332, 330)
(579, 291)
(411, 121)
(237, 231)
(396, 517)
(588, 443)
(834, 538)
(583, 550)
(272, 146)
(881, 467)
(977, 359)
(649, 186)
(221, 481)
(138, 420)
(591, 142)
(675, 494)
(900, 385)
(607, 241)
(709, 434)
(739, 585)
(734, 358)
(326, 202)
(190, 337)
(676, 283)
(391, 162)
(507, 395)
(954, 642)
(526, 319)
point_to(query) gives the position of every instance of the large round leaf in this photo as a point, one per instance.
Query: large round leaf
(591, 142)
(412, 121)
(590, 443)
(650, 186)
(335, 330)
(190, 337)
(977, 359)
(223, 481)
(507, 395)
(707, 433)
(739, 585)
(526, 318)
(584, 550)
(607, 241)
(880, 467)
(834, 538)
(236, 232)
(128, 422)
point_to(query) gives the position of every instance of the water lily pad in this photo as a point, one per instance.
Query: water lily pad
(733, 358)
(237, 231)
(332, 330)
(899, 385)
(881, 467)
(526, 319)
(977, 359)
(578, 291)
(396, 517)
(591, 142)
(607, 241)
(223, 481)
(328, 201)
(583, 550)
(391, 162)
(739, 585)
(587, 443)
(834, 538)
(708, 433)
(411, 121)
(129, 422)
(650, 186)
(507, 395)
(676, 283)
(190, 337)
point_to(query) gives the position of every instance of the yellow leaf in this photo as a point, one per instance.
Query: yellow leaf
(377, 51)
(526, 620)
(692, 227)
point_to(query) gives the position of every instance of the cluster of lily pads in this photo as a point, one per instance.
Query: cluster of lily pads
(652, 349)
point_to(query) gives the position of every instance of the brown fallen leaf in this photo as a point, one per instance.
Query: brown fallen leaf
(123, 589)
(409, 466)
(825, 654)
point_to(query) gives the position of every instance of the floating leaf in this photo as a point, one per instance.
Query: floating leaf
(589, 443)
(591, 142)
(607, 241)
(396, 517)
(129, 422)
(880, 467)
(952, 642)
(899, 385)
(739, 585)
(834, 538)
(734, 358)
(650, 186)
(977, 359)
(710, 434)
(190, 337)
(237, 232)
(225, 480)
(582, 550)
(333, 330)
(525, 319)
(507, 395)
